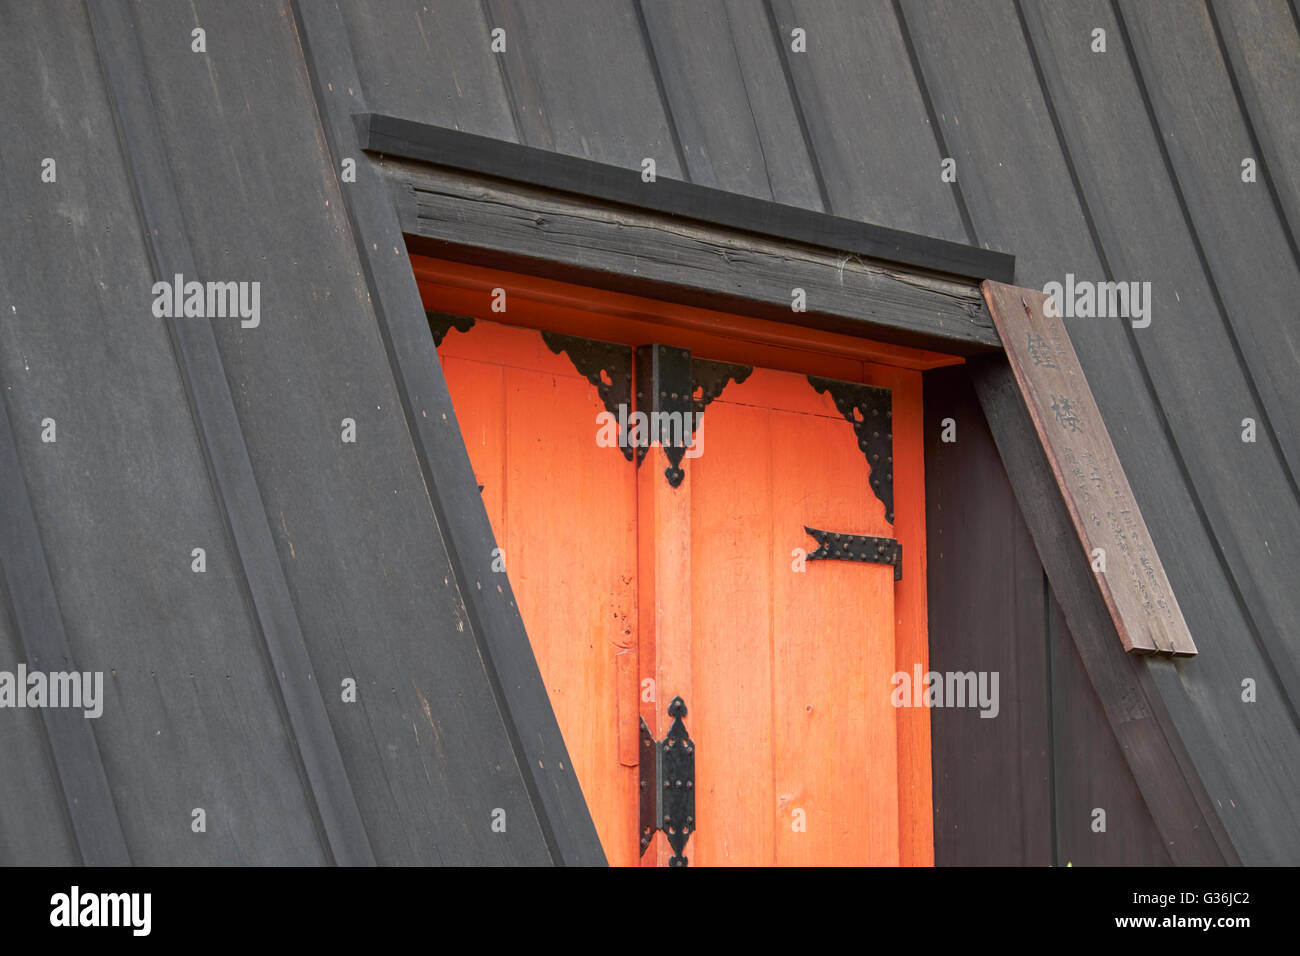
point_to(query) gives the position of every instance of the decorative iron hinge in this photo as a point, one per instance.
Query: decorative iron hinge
(668, 785)
(857, 547)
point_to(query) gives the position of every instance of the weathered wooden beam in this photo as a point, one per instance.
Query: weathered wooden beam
(453, 215)
(591, 180)
(1088, 472)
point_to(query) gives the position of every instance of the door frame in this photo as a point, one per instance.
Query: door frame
(449, 288)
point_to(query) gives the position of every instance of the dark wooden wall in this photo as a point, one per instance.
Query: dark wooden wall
(1019, 788)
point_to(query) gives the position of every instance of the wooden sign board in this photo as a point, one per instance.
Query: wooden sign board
(1101, 504)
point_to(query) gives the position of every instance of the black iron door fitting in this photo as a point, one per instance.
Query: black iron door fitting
(833, 546)
(668, 785)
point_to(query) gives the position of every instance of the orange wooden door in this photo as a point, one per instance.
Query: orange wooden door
(633, 591)
(796, 759)
(563, 511)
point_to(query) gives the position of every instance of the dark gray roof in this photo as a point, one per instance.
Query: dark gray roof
(1124, 164)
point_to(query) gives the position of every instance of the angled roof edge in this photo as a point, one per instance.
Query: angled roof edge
(469, 152)
(529, 720)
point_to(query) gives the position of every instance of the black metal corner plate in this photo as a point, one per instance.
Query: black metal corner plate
(440, 323)
(869, 410)
(834, 546)
(709, 378)
(670, 380)
(597, 361)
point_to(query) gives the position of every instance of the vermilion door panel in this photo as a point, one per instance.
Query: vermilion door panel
(633, 591)
(792, 659)
(563, 510)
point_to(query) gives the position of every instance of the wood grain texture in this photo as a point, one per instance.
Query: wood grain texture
(665, 607)
(563, 511)
(741, 136)
(786, 675)
(857, 91)
(634, 319)
(632, 186)
(821, 641)
(1133, 583)
(911, 610)
(1089, 771)
(483, 676)
(992, 777)
(452, 217)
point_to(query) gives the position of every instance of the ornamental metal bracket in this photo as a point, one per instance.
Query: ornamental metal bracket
(606, 365)
(672, 390)
(667, 777)
(440, 323)
(832, 546)
(869, 410)
(663, 395)
(708, 379)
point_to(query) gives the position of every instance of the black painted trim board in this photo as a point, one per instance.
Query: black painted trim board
(392, 136)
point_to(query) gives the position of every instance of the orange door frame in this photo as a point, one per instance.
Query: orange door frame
(495, 295)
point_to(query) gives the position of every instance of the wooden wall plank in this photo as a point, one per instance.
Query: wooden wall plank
(35, 827)
(666, 609)
(585, 85)
(992, 776)
(911, 611)
(857, 92)
(733, 574)
(832, 632)
(1261, 40)
(1184, 812)
(1089, 771)
(741, 135)
(481, 672)
(1240, 234)
(431, 60)
(123, 495)
(563, 509)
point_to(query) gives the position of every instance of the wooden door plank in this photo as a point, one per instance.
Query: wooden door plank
(733, 565)
(563, 510)
(834, 728)
(911, 612)
(664, 605)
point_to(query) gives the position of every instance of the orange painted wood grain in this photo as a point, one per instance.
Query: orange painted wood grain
(564, 511)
